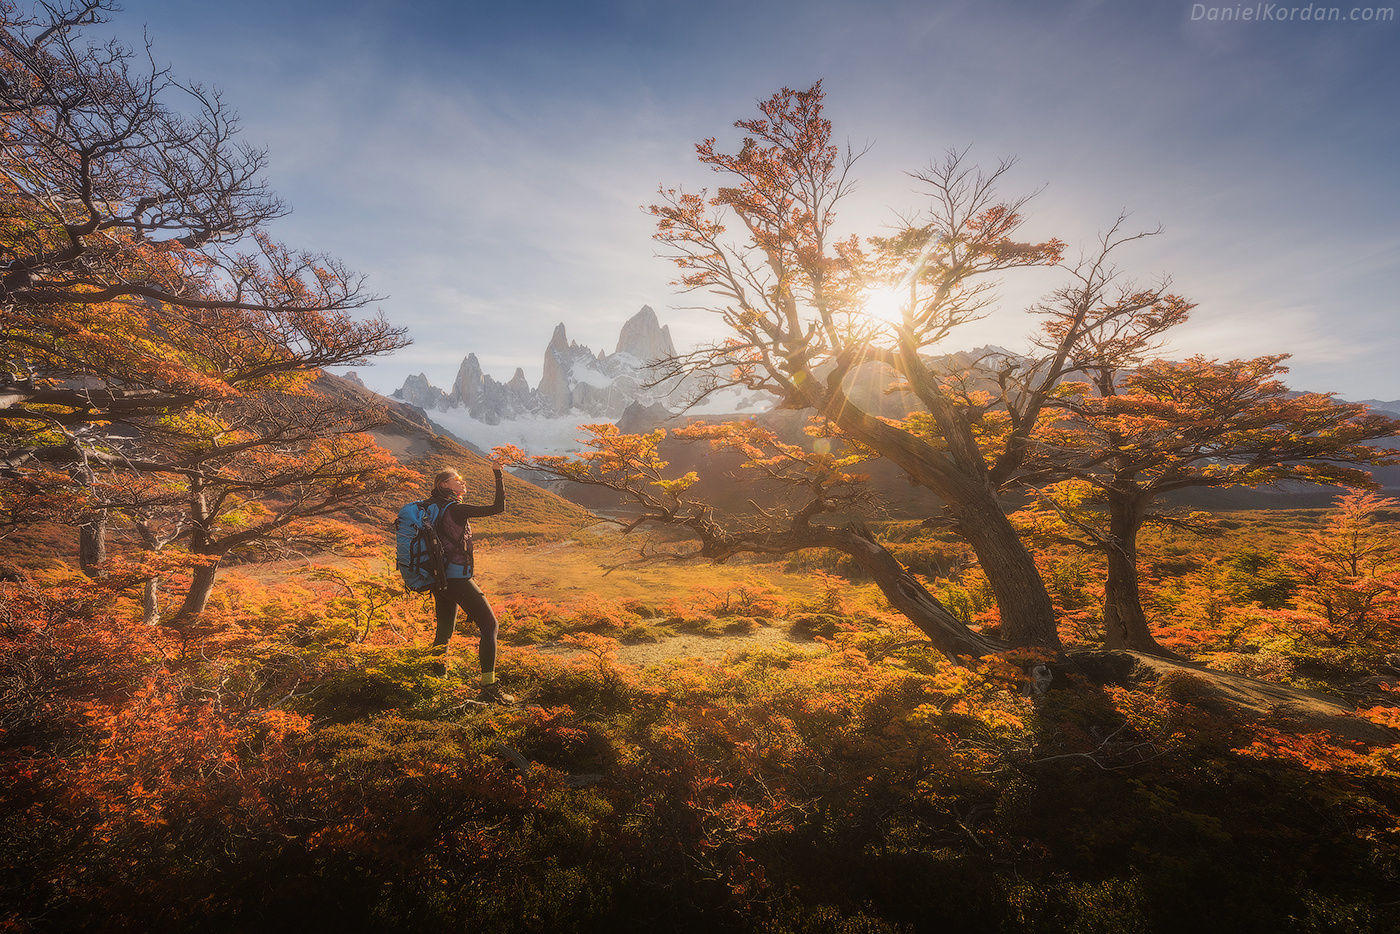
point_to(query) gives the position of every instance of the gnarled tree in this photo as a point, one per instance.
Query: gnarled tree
(794, 298)
(156, 341)
(243, 475)
(810, 499)
(1131, 437)
(136, 277)
(280, 463)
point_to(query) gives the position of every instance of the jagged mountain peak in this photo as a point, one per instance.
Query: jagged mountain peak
(416, 390)
(470, 369)
(576, 383)
(645, 316)
(469, 386)
(643, 337)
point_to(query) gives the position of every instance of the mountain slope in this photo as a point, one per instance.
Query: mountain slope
(531, 512)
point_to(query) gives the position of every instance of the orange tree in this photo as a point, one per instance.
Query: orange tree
(1131, 437)
(145, 303)
(252, 475)
(792, 295)
(789, 291)
(1349, 574)
(136, 276)
(255, 471)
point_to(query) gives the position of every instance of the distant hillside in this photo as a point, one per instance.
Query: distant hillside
(896, 495)
(531, 512)
(1388, 477)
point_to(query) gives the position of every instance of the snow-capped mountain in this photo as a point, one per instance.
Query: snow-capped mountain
(577, 386)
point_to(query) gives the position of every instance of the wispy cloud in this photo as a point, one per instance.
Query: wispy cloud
(485, 163)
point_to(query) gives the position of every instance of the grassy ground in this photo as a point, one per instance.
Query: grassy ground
(751, 747)
(600, 561)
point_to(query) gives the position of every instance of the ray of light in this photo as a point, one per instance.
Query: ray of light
(885, 302)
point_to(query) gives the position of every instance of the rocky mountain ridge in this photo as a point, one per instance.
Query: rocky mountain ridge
(574, 379)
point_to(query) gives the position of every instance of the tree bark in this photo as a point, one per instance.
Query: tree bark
(1124, 620)
(946, 632)
(150, 601)
(1027, 614)
(150, 591)
(197, 599)
(92, 544)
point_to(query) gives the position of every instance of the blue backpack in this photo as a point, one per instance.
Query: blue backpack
(420, 560)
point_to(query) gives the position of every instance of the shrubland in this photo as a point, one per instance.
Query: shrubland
(293, 762)
(787, 712)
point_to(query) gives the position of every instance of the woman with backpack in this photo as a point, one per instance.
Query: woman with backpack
(454, 531)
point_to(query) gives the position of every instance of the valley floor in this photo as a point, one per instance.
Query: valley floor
(759, 746)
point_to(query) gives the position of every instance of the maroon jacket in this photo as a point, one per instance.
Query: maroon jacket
(455, 531)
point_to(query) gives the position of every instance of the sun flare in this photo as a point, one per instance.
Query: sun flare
(885, 302)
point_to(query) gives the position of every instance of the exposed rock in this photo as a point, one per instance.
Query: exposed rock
(644, 338)
(518, 389)
(555, 397)
(574, 380)
(408, 431)
(639, 418)
(559, 340)
(467, 389)
(416, 390)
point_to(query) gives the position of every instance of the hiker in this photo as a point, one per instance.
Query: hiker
(460, 590)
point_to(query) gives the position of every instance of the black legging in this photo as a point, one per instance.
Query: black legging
(463, 592)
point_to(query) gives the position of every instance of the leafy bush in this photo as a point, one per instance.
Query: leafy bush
(1258, 577)
(270, 766)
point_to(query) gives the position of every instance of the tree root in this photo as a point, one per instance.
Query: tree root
(1209, 687)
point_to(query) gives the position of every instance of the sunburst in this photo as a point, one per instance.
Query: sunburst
(885, 302)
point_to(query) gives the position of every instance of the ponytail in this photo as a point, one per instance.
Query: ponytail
(442, 477)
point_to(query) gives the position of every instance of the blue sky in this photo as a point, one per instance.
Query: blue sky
(484, 164)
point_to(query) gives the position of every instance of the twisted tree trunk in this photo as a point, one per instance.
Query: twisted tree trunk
(150, 590)
(946, 632)
(1027, 613)
(197, 599)
(1124, 621)
(150, 601)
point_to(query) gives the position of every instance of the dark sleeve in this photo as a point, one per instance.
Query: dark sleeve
(461, 511)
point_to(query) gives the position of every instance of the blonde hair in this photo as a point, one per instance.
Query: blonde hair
(442, 477)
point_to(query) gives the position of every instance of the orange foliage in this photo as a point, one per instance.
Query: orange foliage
(1349, 574)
